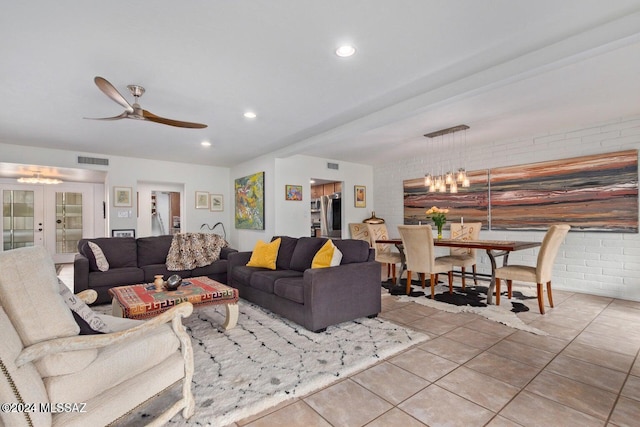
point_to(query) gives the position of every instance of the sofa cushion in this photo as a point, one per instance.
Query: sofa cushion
(327, 256)
(116, 277)
(264, 254)
(287, 246)
(152, 270)
(242, 274)
(353, 250)
(218, 267)
(291, 288)
(305, 250)
(120, 251)
(264, 280)
(153, 250)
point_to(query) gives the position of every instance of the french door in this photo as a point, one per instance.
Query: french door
(22, 217)
(55, 217)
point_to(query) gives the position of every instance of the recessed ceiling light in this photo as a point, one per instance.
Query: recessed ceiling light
(205, 144)
(345, 51)
(250, 115)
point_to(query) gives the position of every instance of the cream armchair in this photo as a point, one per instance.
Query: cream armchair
(100, 378)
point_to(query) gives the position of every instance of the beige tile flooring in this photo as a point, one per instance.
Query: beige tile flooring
(475, 372)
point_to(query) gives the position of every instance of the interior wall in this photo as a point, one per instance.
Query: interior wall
(591, 262)
(127, 172)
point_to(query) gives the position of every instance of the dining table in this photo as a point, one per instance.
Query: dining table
(493, 248)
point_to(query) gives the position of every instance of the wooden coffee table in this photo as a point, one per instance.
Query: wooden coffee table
(142, 301)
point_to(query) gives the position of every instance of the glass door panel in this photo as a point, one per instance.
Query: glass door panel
(68, 221)
(18, 208)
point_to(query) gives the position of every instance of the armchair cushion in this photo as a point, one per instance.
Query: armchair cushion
(114, 365)
(37, 294)
(25, 378)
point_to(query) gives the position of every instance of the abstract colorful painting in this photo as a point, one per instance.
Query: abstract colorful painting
(470, 203)
(249, 194)
(596, 193)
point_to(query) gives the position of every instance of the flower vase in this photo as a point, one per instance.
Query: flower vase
(439, 230)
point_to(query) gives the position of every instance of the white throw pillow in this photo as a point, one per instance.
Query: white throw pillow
(101, 260)
(83, 310)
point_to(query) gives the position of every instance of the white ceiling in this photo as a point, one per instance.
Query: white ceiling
(506, 68)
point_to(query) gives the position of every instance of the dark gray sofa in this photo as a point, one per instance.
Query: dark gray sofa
(313, 298)
(134, 261)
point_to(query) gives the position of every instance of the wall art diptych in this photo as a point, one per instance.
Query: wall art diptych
(469, 203)
(595, 193)
(249, 202)
(590, 193)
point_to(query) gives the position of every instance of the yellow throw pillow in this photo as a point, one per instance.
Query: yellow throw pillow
(264, 254)
(327, 256)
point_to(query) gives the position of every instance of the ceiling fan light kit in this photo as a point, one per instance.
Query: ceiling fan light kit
(135, 111)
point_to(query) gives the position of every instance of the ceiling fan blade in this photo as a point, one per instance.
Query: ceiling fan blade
(152, 117)
(112, 93)
(124, 115)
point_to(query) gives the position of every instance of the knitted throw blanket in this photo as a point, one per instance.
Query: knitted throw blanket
(191, 250)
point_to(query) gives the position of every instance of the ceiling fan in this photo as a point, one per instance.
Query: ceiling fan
(135, 111)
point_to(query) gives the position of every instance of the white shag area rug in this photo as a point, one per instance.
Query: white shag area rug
(503, 313)
(266, 360)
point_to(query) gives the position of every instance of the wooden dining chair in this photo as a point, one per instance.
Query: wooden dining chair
(541, 273)
(464, 257)
(384, 252)
(419, 253)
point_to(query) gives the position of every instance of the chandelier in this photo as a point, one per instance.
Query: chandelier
(38, 180)
(450, 180)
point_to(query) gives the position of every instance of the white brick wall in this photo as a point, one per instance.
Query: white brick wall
(598, 263)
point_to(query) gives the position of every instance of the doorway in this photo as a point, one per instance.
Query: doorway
(55, 217)
(161, 208)
(165, 213)
(326, 208)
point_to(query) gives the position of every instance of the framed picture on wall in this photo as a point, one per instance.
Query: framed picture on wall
(122, 196)
(293, 192)
(360, 196)
(123, 233)
(217, 204)
(202, 200)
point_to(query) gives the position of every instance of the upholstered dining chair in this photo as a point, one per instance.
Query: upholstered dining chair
(541, 273)
(419, 252)
(359, 231)
(384, 252)
(464, 257)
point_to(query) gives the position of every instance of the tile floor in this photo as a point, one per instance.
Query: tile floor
(475, 372)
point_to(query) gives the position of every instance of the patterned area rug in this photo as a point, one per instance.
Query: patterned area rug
(266, 359)
(473, 299)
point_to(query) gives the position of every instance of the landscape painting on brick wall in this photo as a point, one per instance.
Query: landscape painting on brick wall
(470, 203)
(595, 193)
(249, 202)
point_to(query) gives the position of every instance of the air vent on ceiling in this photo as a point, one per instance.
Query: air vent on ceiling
(333, 166)
(93, 161)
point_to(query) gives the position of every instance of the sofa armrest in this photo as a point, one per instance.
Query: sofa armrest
(226, 251)
(236, 259)
(84, 342)
(341, 293)
(80, 273)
